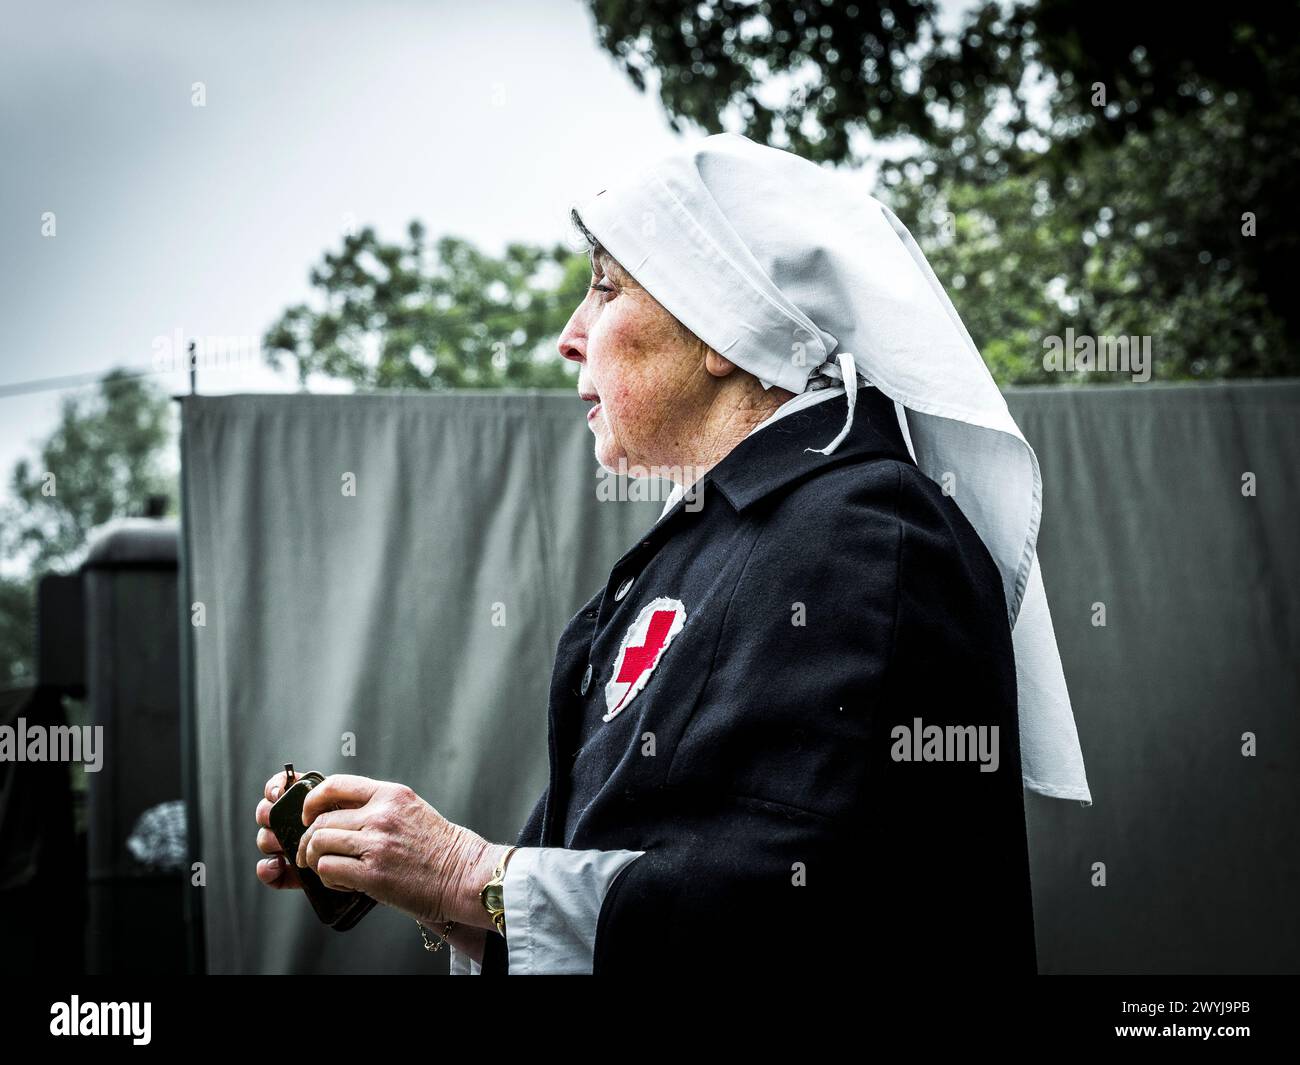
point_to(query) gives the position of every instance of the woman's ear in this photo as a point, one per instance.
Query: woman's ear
(717, 365)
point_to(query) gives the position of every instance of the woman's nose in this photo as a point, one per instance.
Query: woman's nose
(573, 341)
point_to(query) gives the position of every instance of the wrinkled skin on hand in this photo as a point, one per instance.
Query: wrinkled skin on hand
(381, 838)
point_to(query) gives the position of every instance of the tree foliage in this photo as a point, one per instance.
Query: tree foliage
(17, 631)
(104, 460)
(1106, 162)
(433, 315)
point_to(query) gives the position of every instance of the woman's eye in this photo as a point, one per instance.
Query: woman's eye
(602, 288)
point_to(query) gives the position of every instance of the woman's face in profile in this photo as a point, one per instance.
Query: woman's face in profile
(643, 371)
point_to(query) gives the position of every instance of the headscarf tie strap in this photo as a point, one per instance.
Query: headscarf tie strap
(849, 370)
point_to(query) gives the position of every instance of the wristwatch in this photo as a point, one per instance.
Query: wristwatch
(493, 894)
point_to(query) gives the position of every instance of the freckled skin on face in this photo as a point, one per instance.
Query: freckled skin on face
(666, 400)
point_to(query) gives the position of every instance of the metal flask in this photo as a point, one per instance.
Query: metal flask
(340, 910)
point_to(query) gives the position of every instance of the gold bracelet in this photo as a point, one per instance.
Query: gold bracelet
(424, 934)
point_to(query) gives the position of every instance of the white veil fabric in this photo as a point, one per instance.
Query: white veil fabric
(790, 269)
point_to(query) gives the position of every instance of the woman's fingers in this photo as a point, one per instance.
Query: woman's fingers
(338, 791)
(278, 873)
(341, 873)
(334, 836)
(318, 842)
(354, 819)
(268, 842)
(350, 822)
(275, 871)
(274, 786)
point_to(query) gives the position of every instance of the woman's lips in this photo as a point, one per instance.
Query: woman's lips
(592, 413)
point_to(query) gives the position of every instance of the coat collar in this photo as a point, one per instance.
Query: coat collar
(773, 457)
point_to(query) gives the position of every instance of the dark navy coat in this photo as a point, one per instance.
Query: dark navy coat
(828, 599)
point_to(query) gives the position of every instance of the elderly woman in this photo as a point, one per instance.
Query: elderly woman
(796, 723)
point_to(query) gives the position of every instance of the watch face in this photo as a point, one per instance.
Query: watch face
(493, 896)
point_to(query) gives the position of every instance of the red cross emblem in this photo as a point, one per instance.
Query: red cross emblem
(643, 647)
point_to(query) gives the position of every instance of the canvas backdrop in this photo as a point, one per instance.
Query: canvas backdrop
(406, 632)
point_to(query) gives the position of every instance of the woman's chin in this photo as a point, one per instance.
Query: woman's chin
(609, 461)
(610, 456)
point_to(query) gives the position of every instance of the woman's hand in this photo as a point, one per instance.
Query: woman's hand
(275, 871)
(383, 839)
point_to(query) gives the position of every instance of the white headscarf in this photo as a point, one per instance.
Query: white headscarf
(790, 269)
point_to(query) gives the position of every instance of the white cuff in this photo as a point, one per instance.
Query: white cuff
(553, 898)
(461, 963)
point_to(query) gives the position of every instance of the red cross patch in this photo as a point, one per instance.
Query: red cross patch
(643, 647)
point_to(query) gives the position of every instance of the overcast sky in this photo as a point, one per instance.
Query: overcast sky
(485, 120)
(481, 119)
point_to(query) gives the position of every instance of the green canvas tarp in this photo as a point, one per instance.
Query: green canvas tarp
(406, 632)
